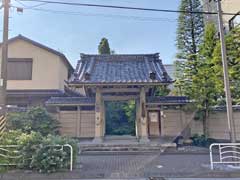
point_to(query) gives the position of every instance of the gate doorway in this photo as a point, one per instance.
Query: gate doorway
(120, 117)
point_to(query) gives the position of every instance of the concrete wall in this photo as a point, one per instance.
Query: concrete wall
(218, 125)
(174, 122)
(49, 71)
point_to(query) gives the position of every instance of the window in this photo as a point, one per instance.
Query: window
(68, 108)
(234, 21)
(19, 69)
(88, 108)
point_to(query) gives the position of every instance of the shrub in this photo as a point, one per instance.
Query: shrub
(36, 151)
(50, 159)
(10, 138)
(202, 140)
(29, 144)
(35, 119)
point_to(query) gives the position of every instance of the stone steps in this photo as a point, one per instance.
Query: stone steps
(134, 147)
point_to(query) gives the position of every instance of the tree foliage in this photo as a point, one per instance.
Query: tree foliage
(233, 59)
(189, 37)
(204, 89)
(103, 47)
(120, 118)
(35, 119)
(162, 91)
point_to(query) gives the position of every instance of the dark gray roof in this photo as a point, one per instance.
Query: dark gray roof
(122, 68)
(70, 100)
(63, 57)
(168, 100)
(91, 100)
(223, 108)
(35, 92)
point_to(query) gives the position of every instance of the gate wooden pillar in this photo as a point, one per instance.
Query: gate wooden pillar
(98, 117)
(137, 120)
(143, 117)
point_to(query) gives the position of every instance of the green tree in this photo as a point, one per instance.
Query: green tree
(204, 88)
(162, 91)
(103, 47)
(233, 58)
(189, 37)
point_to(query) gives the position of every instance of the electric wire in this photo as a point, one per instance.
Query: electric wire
(126, 7)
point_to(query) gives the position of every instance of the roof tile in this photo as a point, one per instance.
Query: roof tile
(121, 68)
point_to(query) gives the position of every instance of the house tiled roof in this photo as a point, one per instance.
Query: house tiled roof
(35, 92)
(120, 69)
(168, 100)
(70, 100)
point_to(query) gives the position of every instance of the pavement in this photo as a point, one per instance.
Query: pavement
(133, 166)
(143, 165)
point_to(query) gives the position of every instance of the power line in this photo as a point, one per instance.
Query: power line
(140, 18)
(30, 7)
(125, 7)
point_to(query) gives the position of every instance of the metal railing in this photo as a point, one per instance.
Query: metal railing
(224, 153)
(10, 154)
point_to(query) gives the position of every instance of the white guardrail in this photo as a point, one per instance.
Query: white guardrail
(10, 152)
(224, 153)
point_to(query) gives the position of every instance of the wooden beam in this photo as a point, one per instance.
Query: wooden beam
(98, 118)
(78, 121)
(143, 116)
(119, 98)
(109, 90)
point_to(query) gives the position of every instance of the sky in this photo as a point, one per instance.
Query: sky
(128, 31)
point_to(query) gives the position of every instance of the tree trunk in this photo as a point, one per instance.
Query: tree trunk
(206, 121)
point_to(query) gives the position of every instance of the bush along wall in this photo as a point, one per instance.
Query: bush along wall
(202, 140)
(35, 132)
(35, 152)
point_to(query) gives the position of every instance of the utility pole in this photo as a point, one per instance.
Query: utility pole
(231, 124)
(3, 63)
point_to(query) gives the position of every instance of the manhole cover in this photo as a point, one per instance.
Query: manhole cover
(159, 166)
(156, 178)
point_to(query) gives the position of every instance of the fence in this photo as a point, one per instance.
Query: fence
(226, 153)
(10, 154)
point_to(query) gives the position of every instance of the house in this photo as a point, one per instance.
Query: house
(228, 6)
(35, 72)
(104, 78)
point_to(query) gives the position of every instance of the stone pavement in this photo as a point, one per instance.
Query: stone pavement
(142, 165)
(132, 166)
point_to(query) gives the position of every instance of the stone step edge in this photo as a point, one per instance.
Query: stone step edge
(117, 152)
(128, 145)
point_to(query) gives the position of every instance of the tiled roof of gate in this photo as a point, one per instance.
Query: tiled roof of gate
(122, 68)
